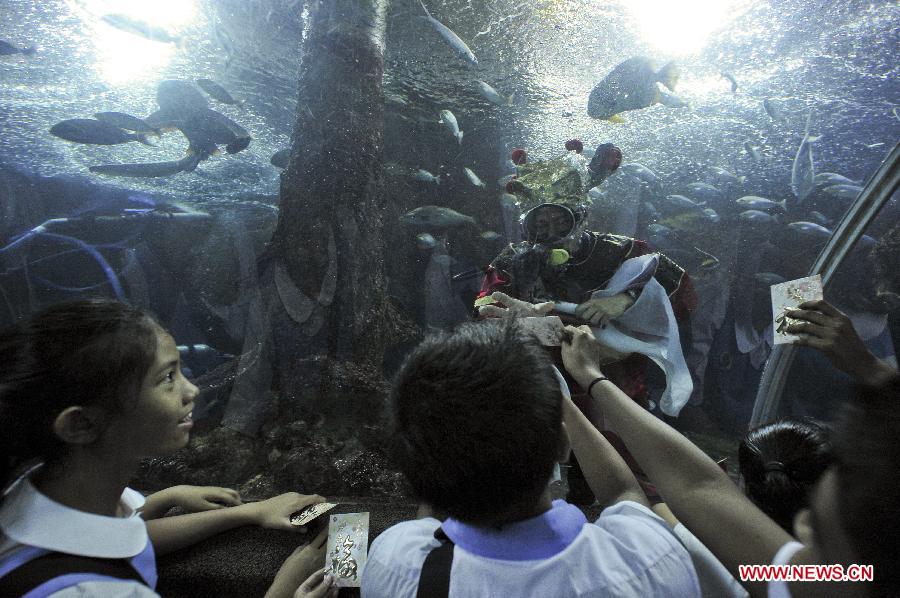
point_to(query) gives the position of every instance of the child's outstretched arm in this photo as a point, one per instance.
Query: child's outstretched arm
(173, 533)
(191, 499)
(700, 494)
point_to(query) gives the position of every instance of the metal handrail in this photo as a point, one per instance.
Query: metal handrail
(878, 190)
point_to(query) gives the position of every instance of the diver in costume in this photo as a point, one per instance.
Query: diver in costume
(594, 278)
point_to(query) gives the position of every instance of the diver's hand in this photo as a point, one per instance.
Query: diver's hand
(513, 308)
(600, 311)
(580, 351)
(826, 328)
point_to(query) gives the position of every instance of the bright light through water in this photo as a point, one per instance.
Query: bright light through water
(679, 27)
(124, 56)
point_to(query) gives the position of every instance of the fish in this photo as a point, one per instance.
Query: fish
(492, 95)
(630, 86)
(756, 217)
(207, 129)
(651, 211)
(753, 151)
(704, 193)
(710, 262)
(127, 122)
(826, 179)
(149, 170)
(217, 92)
(427, 177)
(810, 229)
(640, 172)
(473, 178)
(720, 176)
(819, 218)
(768, 278)
(425, 241)
(450, 122)
(140, 28)
(7, 49)
(490, 236)
(845, 192)
(712, 215)
(436, 218)
(772, 109)
(671, 100)
(178, 98)
(734, 83)
(753, 202)
(455, 42)
(661, 230)
(508, 199)
(281, 158)
(443, 306)
(683, 203)
(803, 171)
(874, 145)
(88, 130)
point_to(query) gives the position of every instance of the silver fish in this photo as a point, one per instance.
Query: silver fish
(720, 176)
(473, 178)
(425, 241)
(450, 122)
(811, 229)
(753, 202)
(490, 236)
(683, 203)
(640, 172)
(148, 170)
(768, 278)
(88, 130)
(427, 177)
(845, 192)
(141, 28)
(826, 179)
(435, 217)
(712, 215)
(704, 192)
(803, 171)
(819, 218)
(492, 95)
(756, 217)
(457, 44)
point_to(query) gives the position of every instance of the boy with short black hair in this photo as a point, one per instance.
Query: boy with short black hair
(479, 420)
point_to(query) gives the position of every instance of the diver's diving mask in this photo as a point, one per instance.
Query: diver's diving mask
(551, 222)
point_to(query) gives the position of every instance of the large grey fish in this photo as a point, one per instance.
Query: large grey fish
(455, 42)
(149, 170)
(179, 97)
(435, 217)
(217, 92)
(281, 158)
(640, 172)
(803, 172)
(704, 192)
(492, 95)
(206, 129)
(845, 192)
(826, 179)
(753, 202)
(141, 28)
(811, 229)
(449, 121)
(427, 177)
(7, 49)
(473, 178)
(630, 86)
(127, 122)
(88, 130)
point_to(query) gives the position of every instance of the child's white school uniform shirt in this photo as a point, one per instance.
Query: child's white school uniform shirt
(32, 524)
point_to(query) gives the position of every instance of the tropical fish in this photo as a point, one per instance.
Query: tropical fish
(845, 192)
(149, 170)
(457, 44)
(753, 202)
(683, 203)
(772, 109)
(425, 241)
(826, 179)
(734, 83)
(450, 122)
(811, 229)
(217, 92)
(803, 171)
(756, 217)
(435, 217)
(141, 28)
(712, 215)
(88, 130)
(630, 86)
(492, 95)
(640, 172)
(753, 151)
(281, 158)
(473, 178)
(127, 122)
(427, 177)
(7, 49)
